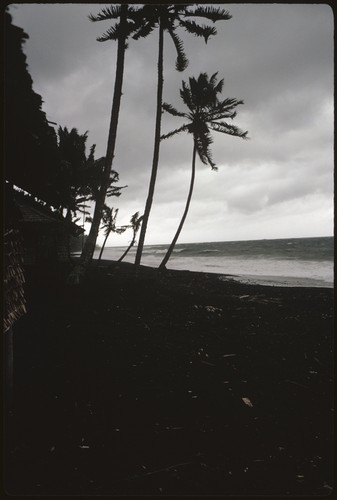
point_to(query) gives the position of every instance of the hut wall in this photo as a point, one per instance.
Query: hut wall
(62, 245)
(14, 303)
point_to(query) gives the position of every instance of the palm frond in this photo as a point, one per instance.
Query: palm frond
(116, 31)
(144, 30)
(212, 13)
(111, 34)
(213, 78)
(215, 116)
(134, 218)
(178, 9)
(227, 128)
(112, 12)
(170, 109)
(109, 215)
(134, 12)
(185, 94)
(230, 102)
(114, 176)
(114, 191)
(225, 109)
(133, 22)
(203, 142)
(183, 128)
(217, 86)
(138, 223)
(131, 27)
(80, 200)
(197, 30)
(121, 229)
(182, 61)
(203, 94)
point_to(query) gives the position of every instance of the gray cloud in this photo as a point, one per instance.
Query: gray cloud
(277, 57)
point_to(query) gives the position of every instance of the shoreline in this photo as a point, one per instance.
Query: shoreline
(284, 281)
(262, 280)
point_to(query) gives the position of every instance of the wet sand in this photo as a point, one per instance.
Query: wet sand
(288, 281)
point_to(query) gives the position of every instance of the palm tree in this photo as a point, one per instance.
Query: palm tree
(128, 22)
(168, 18)
(78, 177)
(109, 225)
(69, 179)
(135, 222)
(206, 113)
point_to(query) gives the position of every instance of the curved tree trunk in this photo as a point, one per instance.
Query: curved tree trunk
(90, 242)
(156, 148)
(188, 201)
(129, 247)
(104, 242)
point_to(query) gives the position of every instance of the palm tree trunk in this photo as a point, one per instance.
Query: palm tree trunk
(89, 245)
(130, 246)
(68, 215)
(68, 248)
(104, 242)
(188, 201)
(156, 147)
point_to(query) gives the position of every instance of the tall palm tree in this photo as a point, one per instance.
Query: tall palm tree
(127, 23)
(205, 113)
(168, 18)
(135, 222)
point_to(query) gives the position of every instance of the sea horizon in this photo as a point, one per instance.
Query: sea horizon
(221, 241)
(306, 261)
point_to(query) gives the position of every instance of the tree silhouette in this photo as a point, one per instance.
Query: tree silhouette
(70, 176)
(78, 177)
(30, 151)
(168, 18)
(127, 22)
(109, 225)
(206, 113)
(135, 222)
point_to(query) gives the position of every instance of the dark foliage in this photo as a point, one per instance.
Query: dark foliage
(30, 143)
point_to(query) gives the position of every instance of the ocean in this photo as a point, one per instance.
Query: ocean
(281, 262)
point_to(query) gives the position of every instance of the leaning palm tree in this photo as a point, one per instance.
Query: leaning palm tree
(168, 18)
(135, 222)
(205, 113)
(128, 21)
(109, 225)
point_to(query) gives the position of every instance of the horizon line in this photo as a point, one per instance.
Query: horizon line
(224, 241)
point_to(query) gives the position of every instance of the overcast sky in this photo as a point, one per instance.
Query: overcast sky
(278, 58)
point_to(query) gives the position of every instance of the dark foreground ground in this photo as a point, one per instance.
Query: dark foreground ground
(174, 385)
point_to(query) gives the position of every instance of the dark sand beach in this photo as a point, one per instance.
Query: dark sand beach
(174, 384)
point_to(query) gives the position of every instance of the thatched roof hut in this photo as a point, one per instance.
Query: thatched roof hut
(14, 301)
(33, 234)
(45, 233)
